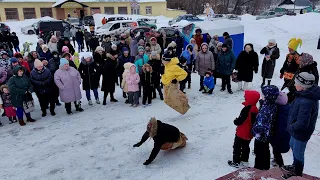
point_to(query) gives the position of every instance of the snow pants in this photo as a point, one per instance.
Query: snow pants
(241, 150)
(262, 151)
(182, 142)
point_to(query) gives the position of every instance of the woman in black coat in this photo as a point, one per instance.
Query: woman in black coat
(272, 53)
(90, 74)
(247, 63)
(42, 82)
(165, 137)
(109, 75)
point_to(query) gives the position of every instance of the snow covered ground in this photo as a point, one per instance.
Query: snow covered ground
(97, 143)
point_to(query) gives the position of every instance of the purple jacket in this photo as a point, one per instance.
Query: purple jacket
(3, 76)
(68, 82)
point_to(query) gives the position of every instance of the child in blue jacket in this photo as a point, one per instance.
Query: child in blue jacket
(208, 83)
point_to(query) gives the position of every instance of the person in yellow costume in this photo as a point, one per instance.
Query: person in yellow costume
(173, 73)
(291, 65)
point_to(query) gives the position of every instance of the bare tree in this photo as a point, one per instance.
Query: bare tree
(314, 3)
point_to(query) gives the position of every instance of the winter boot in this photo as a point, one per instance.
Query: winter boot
(161, 97)
(10, 120)
(127, 101)
(112, 99)
(29, 119)
(245, 86)
(222, 89)
(201, 88)
(52, 113)
(68, 108)
(230, 91)
(210, 91)
(21, 122)
(58, 103)
(289, 175)
(78, 106)
(240, 86)
(288, 168)
(1, 124)
(124, 95)
(90, 102)
(44, 113)
(189, 85)
(97, 101)
(233, 164)
(14, 119)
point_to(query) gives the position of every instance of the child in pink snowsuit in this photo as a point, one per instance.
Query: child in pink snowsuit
(133, 80)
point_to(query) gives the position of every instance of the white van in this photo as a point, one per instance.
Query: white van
(115, 27)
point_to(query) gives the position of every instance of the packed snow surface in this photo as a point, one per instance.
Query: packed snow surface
(97, 143)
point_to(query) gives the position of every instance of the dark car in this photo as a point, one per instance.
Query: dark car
(169, 34)
(44, 27)
(116, 19)
(186, 17)
(87, 20)
(4, 27)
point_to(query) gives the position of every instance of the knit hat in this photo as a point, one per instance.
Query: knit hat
(99, 48)
(153, 53)
(270, 92)
(224, 45)
(282, 98)
(294, 43)
(306, 59)
(17, 55)
(37, 63)
(140, 49)
(141, 41)
(125, 49)
(272, 41)
(63, 61)
(65, 49)
(208, 72)
(87, 55)
(219, 44)
(40, 41)
(153, 39)
(13, 60)
(305, 80)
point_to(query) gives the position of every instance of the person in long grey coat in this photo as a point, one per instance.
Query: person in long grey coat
(272, 53)
(228, 40)
(205, 61)
(68, 80)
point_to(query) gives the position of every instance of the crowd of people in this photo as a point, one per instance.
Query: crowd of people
(142, 65)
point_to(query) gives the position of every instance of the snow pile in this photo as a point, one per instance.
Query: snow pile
(248, 17)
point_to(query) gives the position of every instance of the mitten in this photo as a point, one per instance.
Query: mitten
(137, 145)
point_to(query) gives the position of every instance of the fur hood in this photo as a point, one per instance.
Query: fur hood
(152, 127)
(144, 67)
(157, 57)
(3, 86)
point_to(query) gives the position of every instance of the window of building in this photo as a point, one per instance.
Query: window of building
(148, 10)
(46, 12)
(95, 10)
(122, 10)
(11, 13)
(109, 10)
(135, 11)
(29, 13)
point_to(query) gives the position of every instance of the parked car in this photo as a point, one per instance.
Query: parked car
(87, 20)
(4, 27)
(116, 19)
(233, 17)
(73, 21)
(115, 27)
(170, 34)
(187, 17)
(217, 16)
(150, 21)
(31, 29)
(267, 15)
(45, 27)
(142, 23)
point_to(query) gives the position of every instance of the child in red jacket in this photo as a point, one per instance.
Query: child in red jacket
(241, 149)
